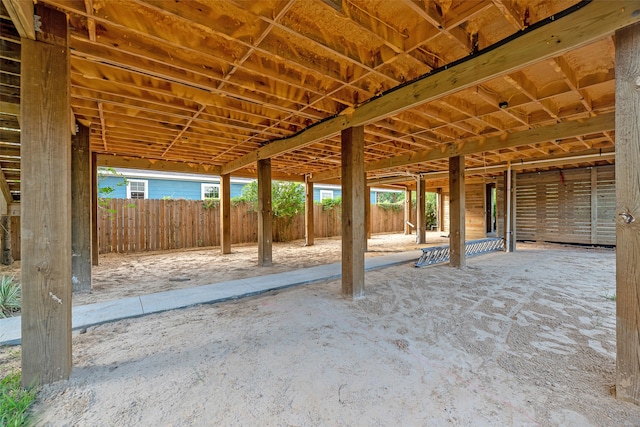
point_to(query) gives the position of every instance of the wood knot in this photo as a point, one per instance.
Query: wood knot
(627, 217)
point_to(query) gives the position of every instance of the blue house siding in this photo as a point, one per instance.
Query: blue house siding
(164, 188)
(159, 188)
(337, 192)
(116, 183)
(170, 189)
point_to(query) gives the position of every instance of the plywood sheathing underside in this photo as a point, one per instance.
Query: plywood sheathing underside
(207, 82)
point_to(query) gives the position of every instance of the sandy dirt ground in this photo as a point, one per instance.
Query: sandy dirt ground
(124, 275)
(526, 338)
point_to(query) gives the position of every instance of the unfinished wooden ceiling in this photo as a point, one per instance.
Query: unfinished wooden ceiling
(222, 83)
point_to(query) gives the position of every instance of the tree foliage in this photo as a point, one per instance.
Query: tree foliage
(287, 198)
(328, 204)
(430, 208)
(106, 191)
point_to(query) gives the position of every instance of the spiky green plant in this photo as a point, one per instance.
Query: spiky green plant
(10, 296)
(15, 401)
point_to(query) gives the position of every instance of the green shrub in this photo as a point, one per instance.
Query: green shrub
(329, 204)
(210, 203)
(396, 207)
(10, 296)
(287, 198)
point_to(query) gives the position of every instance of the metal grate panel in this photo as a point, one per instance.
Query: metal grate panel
(440, 254)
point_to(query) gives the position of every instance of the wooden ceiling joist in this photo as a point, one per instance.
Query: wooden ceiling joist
(180, 82)
(563, 130)
(106, 160)
(591, 22)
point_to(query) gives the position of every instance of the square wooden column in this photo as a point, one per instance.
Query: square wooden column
(308, 212)
(95, 248)
(46, 201)
(353, 216)
(367, 214)
(225, 214)
(81, 210)
(407, 211)
(265, 220)
(456, 212)
(440, 203)
(421, 215)
(628, 213)
(510, 210)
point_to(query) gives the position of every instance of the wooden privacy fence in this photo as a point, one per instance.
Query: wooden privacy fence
(148, 225)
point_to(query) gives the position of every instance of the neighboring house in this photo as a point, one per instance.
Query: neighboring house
(171, 185)
(165, 185)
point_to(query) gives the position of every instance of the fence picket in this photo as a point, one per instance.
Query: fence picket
(173, 224)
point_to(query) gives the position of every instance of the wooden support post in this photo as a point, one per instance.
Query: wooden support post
(627, 42)
(81, 210)
(510, 211)
(46, 201)
(456, 212)
(407, 211)
(353, 217)
(308, 212)
(7, 251)
(367, 214)
(514, 217)
(95, 248)
(440, 210)
(225, 213)
(421, 215)
(594, 206)
(265, 220)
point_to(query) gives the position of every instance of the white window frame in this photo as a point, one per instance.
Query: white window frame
(326, 194)
(203, 188)
(143, 181)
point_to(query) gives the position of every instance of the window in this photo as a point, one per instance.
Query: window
(210, 191)
(137, 189)
(326, 194)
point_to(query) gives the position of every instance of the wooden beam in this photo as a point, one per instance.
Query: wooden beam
(457, 212)
(225, 214)
(583, 26)
(628, 214)
(21, 13)
(353, 217)
(571, 129)
(81, 211)
(156, 165)
(46, 203)
(550, 161)
(91, 23)
(265, 214)
(308, 213)
(315, 133)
